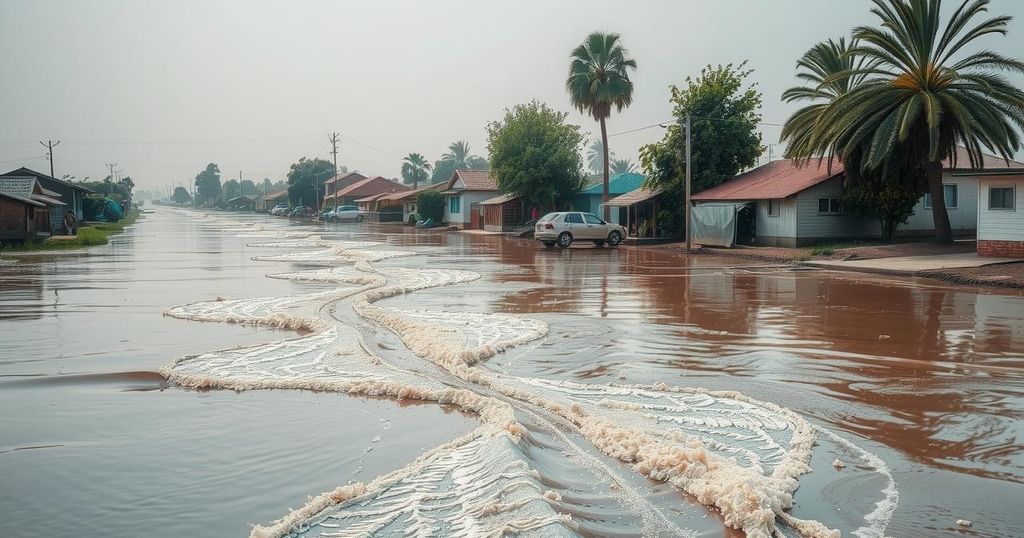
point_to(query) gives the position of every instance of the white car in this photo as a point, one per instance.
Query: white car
(347, 213)
(563, 228)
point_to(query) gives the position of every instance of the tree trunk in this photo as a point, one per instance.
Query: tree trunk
(943, 232)
(604, 197)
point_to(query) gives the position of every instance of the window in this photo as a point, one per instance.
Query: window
(454, 204)
(573, 218)
(773, 208)
(949, 193)
(1001, 198)
(592, 219)
(829, 206)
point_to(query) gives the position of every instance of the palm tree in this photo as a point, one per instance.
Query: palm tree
(826, 68)
(916, 104)
(595, 156)
(458, 154)
(599, 80)
(622, 166)
(415, 168)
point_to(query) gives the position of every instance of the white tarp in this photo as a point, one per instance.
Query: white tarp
(714, 223)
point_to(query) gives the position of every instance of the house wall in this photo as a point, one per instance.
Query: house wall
(963, 219)
(13, 220)
(812, 227)
(1001, 231)
(70, 196)
(777, 231)
(467, 199)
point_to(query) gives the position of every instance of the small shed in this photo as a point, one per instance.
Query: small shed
(19, 216)
(641, 212)
(503, 213)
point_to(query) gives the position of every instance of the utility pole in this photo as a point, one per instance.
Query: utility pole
(49, 145)
(110, 190)
(333, 137)
(241, 191)
(689, 244)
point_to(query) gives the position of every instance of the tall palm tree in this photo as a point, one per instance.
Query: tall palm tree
(458, 154)
(415, 168)
(622, 166)
(595, 156)
(827, 69)
(599, 80)
(917, 103)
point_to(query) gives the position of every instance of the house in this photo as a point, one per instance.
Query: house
(464, 192)
(46, 212)
(1001, 215)
(274, 198)
(406, 200)
(18, 217)
(787, 203)
(503, 213)
(590, 199)
(366, 188)
(71, 194)
(638, 210)
(337, 183)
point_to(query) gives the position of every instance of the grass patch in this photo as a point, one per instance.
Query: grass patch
(822, 250)
(87, 236)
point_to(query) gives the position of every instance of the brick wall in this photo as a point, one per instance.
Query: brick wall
(1001, 249)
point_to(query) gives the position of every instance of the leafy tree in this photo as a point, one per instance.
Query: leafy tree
(599, 80)
(595, 157)
(622, 166)
(724, 139)
(891, 203)
(106, 187)
(917, 103)
(535, 154)
(248, 188)
(208, 188)
(268, 186)
(430, 205)
(230, 188)
(181, 195)
(306, 180)
(415, 169)
(457, 158)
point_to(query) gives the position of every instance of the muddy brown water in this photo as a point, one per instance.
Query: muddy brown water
(928, 376)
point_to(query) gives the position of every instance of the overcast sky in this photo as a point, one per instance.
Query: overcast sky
(163, 87)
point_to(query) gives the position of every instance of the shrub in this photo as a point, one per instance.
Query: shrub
(413, 219)
(430, 205)
(822, 250)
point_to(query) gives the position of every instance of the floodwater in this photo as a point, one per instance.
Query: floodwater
(917, 388)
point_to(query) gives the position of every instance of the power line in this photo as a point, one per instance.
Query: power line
(49, 145)
(664, 124)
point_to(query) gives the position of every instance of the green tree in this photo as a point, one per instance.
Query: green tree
(724, 139)
(917, 102)
(622, 166)
(891, 203)
(535, 154)
(457, 158)
(248, 188)
(181, 195)
(230, 188)
(208, 188)
(598, 81)
(430, 205)
(415, 169)
(306, 180)
(267, 186)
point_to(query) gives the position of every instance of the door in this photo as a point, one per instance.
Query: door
(596, 228)
(576, 226)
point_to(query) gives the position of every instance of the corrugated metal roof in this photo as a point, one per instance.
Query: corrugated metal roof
(777, 179)
(634, 197)
(41, 176)
(21, 199)
(22, 187)
(618, 184)
(498, 200)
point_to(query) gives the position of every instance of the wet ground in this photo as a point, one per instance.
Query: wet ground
(93, 441)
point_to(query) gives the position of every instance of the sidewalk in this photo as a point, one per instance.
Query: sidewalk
(911, 265)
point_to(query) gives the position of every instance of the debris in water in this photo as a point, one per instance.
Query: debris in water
(963, 522)
(838, 464)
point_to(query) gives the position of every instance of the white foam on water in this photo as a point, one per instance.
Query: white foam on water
(737, 454)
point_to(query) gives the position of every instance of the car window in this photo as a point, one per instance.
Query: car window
(592, 219)
(573, 218)
(549, 217)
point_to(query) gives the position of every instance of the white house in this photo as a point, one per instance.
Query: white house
(1001, 215)
(799, 204)
(466, 189)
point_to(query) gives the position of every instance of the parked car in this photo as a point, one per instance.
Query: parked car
(347, 213)
(279, 209)
(302, 212)
(564, 228)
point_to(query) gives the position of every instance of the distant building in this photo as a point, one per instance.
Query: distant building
(464, 192)
(405, 201)
(503, 213)
(337, 183)
(28, 211)
(71, 194)
(590, 199)
(366, 188)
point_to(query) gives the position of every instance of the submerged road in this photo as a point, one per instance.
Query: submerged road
(926, 378)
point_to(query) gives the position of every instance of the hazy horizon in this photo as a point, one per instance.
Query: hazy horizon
(163, 88)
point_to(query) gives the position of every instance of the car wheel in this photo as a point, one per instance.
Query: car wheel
(599, 243)
(359, 218)
(564, 239)
(548, 244)
(614, 238)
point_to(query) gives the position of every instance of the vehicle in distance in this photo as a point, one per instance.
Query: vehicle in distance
(302, 212)
(345, 213)
(279, 209)
(564, 228)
